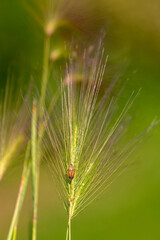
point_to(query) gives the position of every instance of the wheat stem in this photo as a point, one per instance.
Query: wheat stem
(14, 233)
(69, 224)
(21, 194)
(36, 142)
(68, 233)
(35, 169)
(44, 75)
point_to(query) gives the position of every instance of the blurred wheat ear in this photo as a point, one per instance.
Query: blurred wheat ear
(13, 126)
(84, 145)
(14, 130)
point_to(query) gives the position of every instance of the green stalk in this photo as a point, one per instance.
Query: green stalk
(36, 140)
(35, 168)
(21, 194)
(68, 233)
(44, 75)
(14, 233)
(69, 225)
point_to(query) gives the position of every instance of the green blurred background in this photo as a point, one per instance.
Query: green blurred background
(130, 208)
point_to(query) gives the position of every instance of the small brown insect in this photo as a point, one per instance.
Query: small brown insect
(71, 172)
